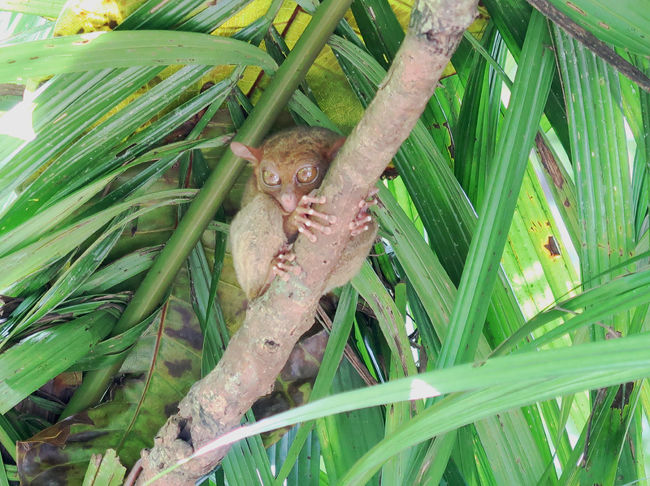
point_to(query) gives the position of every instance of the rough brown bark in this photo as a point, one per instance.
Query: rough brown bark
(274, 322)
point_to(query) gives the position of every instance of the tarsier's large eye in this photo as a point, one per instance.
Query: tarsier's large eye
(307, 174)
(270, 178)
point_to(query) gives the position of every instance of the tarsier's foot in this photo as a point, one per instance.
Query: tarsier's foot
(284, 263)
(361, 221)
(304, 212)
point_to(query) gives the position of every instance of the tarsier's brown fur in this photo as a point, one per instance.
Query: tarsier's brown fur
(272, 215)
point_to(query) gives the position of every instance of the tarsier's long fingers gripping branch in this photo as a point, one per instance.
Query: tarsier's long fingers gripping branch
(363, 218)
(305, 212)
(283, 264)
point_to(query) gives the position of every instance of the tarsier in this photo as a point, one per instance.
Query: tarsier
(277, 205)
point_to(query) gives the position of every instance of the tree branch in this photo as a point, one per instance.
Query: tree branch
(275, 321)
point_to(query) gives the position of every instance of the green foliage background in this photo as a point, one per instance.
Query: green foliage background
(508, 296)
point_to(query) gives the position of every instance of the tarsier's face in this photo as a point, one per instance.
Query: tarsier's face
(291, 163)
(288, 182)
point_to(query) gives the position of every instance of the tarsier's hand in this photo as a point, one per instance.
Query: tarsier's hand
(303, 214)
(284, 263)
(360, 223)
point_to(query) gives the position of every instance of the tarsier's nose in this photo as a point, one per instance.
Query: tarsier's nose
(288, 202)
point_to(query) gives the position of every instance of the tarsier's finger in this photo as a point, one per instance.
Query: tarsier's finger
(311, 236)
(359, 225)
(358, 231)
(288, 256)
(313, 224)
(283, 274)
(360, 221)
(330, 218)
(306, 200)
(285, 267)
(366, 205)
(282, 269)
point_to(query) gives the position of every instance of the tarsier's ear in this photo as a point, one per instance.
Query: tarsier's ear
(334, 148)
(251, 154)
